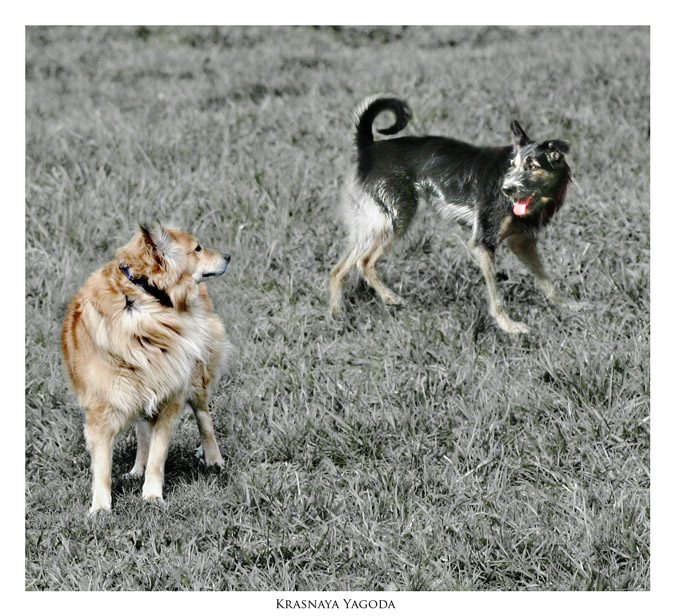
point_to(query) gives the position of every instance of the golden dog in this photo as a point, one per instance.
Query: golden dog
(139, 339)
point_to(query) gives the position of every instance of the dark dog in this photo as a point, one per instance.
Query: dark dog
(504, 193)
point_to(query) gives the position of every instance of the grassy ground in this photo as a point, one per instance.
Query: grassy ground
(418, 449)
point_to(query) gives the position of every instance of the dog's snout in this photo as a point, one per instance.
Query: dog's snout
(509, 189)
(225, 263)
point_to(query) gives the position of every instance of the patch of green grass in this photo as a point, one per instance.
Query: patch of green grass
(417, 449)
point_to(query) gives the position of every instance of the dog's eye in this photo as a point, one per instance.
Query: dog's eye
(198, 249)
(532, 165)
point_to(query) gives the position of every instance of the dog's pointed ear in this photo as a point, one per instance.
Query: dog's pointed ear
(518, 134)
(155, 238)
(558, 146)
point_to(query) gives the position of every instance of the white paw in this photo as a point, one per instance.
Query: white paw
(512, 327)
(518, 328)
(98, 506)
(335, 309)
(135, 473)
(391, 299)
(216, 461)
(567, 304)
(211, 458)
(152, 491)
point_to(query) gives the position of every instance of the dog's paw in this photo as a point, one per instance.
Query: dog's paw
(512, 327)
(152, 490)
(211, 459)
(506, 324)
(518, 328)
(391, 299)
(215, 465)
(134, 473)
(153, 499)
(565, 303)
(98, 508)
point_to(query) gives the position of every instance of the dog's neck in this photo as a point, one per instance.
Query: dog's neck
(161, 296)
(557, 199)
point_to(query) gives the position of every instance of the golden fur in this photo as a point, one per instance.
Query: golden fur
(139, 339)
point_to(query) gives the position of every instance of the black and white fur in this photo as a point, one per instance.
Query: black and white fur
(502, 193)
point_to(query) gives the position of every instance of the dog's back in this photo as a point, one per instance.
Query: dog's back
(409, 164)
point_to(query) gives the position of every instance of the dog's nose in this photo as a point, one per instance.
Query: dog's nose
(226, 256)
(508, 189)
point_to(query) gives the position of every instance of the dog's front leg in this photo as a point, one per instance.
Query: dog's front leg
(160, 438)
(485, 258)
(524, 246)
(99, 437)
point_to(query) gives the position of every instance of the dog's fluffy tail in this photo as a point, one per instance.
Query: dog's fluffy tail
(366, 117)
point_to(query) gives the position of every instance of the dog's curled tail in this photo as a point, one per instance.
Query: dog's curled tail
(366, 117)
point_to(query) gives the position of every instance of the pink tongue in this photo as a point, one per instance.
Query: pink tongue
(520, 207)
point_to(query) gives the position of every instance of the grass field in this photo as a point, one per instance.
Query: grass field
(411, 449)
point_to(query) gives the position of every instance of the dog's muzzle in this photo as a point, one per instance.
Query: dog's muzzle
(510, 190)
(220, 270)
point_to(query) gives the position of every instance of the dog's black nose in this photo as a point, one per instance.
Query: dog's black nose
(226, 256)
(508, 190)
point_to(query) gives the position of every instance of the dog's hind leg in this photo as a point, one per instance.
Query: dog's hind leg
(371, 231)
(367, 262)
(485, 258)
(199, 401)
(524, 246)
(142, 448)
(160, 438)
(337, 278)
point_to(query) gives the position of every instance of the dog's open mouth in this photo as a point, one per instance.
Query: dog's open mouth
(520, 205)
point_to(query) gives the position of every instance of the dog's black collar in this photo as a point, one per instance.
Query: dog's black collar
(161, 296)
